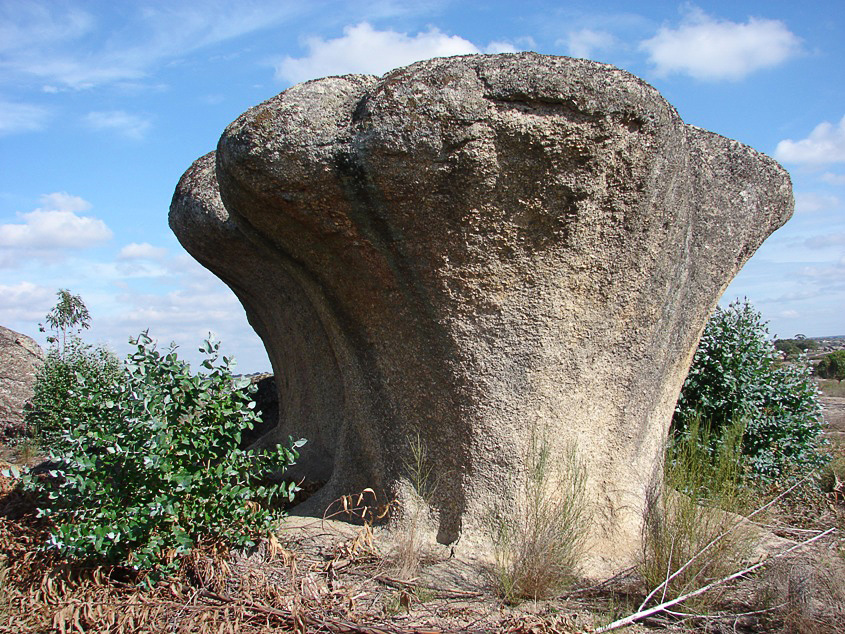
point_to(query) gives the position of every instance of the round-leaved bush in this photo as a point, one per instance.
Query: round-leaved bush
(736, 376)
(52, 404)
(151, 464)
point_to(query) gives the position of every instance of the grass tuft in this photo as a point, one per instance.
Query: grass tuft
(832, 387)
(4, 588)
(29, 449)
(693, 519)
(540, 539)
(407, 553)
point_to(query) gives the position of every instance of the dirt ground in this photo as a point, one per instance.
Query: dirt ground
(326, 576)
(336, 577)
(834, 415)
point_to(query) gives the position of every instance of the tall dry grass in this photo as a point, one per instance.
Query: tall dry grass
(539, 540)
(4, 590)
(409, 543)
(832, 387)
(694, 532)
(804, 593)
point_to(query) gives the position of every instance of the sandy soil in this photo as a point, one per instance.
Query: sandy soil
(834, 414)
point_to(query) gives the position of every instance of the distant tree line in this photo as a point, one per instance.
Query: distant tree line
(791, 348)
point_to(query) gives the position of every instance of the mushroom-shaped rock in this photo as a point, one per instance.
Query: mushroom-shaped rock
(473, 251)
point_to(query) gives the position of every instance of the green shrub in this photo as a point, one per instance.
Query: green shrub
(68, 358)
(52, 404)
(735, 376)
(832, 366)
(692, 528)
(150, 465)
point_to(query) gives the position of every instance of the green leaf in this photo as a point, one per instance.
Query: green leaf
(13, 471)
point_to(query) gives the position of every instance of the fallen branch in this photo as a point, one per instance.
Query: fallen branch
(718, 617)
(600, 584)
(628, 620)
(713, 542)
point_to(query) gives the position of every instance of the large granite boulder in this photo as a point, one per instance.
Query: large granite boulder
(476, 250)
(20, 359)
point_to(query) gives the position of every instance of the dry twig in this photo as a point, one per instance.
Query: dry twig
(712, 543)
(642, 614)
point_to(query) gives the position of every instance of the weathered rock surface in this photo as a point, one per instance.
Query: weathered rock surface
(477, 250)
(20, 359)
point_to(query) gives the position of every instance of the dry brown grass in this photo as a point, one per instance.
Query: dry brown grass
(413, 515)
(43, 594)
(539, 540)
(693, 532)
(832, 387)
(273, 589)
(344, 586)
(804, 593)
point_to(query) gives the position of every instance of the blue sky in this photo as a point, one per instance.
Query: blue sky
(103, 105)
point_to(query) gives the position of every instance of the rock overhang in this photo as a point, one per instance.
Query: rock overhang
(470, 249)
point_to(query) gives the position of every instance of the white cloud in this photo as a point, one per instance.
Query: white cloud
(809, 202)
(711, 49)
(56, 225)
(24, 301)
(128, 125)
(198, 304)
(64, 46)
(57, 46)
(54, 229)
(141, 251)
(495, 47)
(792, 296)
(833, 179)
(586, 42)
(21, 117)
(140, 260)
(183, 303)
(21, 24)
(826, 144)
(52, 42)
(826, 240)
(62, 201)
(363, 49)
(831, 272)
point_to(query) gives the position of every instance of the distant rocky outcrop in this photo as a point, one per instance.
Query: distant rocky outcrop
(476, 251)
(20, 359)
